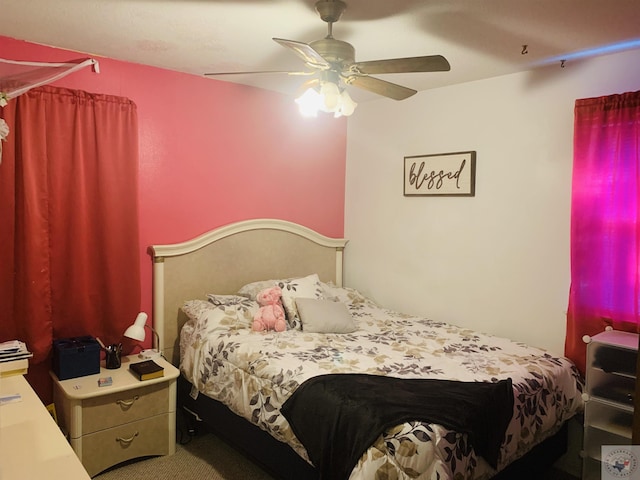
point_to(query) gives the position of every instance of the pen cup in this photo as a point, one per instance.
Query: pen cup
(112, 361)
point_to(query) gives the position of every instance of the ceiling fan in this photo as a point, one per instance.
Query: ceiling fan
(335, 60)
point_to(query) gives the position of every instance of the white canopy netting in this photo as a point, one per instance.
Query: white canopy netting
(17, 77)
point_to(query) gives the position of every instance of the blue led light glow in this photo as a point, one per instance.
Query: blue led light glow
(593, 52)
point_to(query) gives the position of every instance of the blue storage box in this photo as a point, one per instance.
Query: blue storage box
(76, 357)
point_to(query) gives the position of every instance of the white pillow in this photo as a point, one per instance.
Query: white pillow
(228, 300)
(233, 314)
(251, 290)
(349, 296)
(305, 287)
(324, 316)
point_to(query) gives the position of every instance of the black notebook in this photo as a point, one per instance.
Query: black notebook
(146, 370)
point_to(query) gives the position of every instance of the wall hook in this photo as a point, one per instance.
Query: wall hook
(524, 50)
(562, 63)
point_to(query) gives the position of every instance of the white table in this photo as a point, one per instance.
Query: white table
(31, 444)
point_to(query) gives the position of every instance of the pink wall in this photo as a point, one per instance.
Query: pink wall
(213, 152)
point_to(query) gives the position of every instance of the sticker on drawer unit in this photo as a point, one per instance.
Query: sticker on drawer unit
(620, 461)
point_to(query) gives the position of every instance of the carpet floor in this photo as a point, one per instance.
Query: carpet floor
(205, 456)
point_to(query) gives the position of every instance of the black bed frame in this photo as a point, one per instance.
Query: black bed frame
(282, 462)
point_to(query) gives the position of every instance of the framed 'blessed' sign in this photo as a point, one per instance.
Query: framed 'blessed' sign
(444, 174)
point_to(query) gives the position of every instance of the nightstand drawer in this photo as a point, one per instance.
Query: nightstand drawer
(124, 407)
(106, 448)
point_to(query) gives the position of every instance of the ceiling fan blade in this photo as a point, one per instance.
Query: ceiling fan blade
(213, 74)
(304, 51)
(430, 63)
(381, 87)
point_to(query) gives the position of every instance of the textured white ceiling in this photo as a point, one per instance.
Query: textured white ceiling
(480, 38)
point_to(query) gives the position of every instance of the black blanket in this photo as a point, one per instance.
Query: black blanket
(337, 417)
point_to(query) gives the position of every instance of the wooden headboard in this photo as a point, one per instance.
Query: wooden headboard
(224, 259)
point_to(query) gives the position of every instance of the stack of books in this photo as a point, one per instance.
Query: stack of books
(146, 370)
(14, 358)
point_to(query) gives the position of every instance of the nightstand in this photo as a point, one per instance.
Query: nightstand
(128, 419)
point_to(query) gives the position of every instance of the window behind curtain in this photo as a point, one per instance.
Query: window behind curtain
(605, 233)
(69, 250)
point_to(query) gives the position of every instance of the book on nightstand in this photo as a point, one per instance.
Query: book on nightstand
(146, 370)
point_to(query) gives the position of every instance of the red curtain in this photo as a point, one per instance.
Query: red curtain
(69, 261)
(605, 228)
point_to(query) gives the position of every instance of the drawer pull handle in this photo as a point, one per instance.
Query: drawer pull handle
(127, 403)
(127, 441)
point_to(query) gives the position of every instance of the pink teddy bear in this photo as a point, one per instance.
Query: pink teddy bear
(270, 316)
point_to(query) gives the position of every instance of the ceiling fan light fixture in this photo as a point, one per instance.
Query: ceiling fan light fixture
(327, 98)
(347, 105)
(309, 102)
(330, 94)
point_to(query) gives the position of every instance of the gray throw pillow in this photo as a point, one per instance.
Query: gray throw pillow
(324, 316)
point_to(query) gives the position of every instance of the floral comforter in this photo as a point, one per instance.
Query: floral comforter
(254, 373)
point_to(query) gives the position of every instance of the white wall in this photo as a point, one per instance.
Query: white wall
(497, 262)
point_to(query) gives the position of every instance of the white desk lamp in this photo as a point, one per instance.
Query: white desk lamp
(137, 332)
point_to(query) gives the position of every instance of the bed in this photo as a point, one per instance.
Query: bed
(244, 385)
